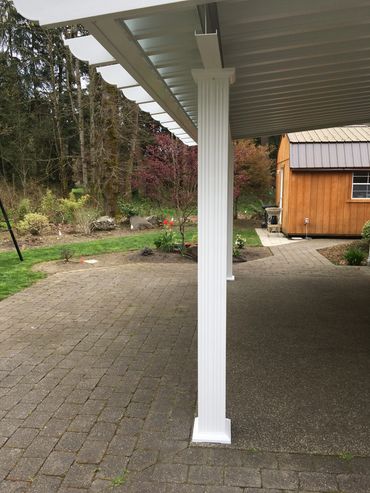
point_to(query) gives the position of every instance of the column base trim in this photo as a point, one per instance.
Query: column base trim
(214, 437)
(230, 278)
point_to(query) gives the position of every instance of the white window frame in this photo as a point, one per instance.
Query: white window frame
(354, 183)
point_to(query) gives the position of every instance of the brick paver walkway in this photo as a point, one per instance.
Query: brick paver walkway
(97, 386)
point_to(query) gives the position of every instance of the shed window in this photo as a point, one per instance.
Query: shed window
(361, 185)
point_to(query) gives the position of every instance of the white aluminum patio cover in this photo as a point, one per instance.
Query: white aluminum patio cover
(299, 65)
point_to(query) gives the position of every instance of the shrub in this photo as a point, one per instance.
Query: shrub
(240, 242)
(24, 208)
(167, 241)
(33, 223)
(78, 192)
(354, 256)
(128, 209)
(366, 230)
(236, 251)
(50, 207)
(71, 205)
(84, 219)
(66, 254)
(254, 211)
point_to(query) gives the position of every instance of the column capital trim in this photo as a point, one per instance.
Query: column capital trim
(214, 73)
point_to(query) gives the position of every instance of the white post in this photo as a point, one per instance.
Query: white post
(230, 213)
(211, 424)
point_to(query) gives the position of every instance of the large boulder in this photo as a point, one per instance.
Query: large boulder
(138, 223)
(104, 223)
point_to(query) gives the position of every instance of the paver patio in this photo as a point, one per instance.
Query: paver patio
(98, 380)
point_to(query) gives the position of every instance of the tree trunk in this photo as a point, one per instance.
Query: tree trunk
(236, 200)
(93, 150)
(55, 103)
(127, 184)
(81, 125)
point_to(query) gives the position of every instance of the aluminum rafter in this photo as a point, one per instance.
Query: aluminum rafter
(118, 56)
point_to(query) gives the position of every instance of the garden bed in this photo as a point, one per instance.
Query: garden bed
(116, 259)
(336, 253)
(68, 236)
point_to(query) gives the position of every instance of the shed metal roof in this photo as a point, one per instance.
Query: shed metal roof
(331, 148)
(354, 133)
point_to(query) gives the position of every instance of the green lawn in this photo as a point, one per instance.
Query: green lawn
(16, 275)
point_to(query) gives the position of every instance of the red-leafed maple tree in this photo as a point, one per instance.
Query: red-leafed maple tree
(168, 176)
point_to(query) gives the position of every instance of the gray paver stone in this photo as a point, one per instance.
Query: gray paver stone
(242, 476)
(175, 473)
(284, 480)
(316, 481)
(206, 475)
(80, 476)
(58, 463)
(354, 483)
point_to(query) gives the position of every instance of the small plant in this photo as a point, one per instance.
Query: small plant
(167, 241)
(146, 252)
(33, 223)
(168, 223)
(346, 456)
(119, 480)
(354, 256)
(240, 242)
(84, 219)
(128, 209)
(66, 254)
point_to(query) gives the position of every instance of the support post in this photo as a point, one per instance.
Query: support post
(230, 213)
(211, 425)
(10, 229)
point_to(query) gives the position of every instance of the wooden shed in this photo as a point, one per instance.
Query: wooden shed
(323, 181)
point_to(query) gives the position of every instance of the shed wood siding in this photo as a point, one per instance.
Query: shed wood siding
(325, 198)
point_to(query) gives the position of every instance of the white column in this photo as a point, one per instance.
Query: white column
(211, 424)
(230, 213)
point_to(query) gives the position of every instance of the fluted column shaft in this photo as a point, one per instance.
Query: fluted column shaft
(213, 155)
(230, 213)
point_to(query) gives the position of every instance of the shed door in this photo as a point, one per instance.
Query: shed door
(281, 194)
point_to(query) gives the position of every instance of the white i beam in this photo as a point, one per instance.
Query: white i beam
(211, 425)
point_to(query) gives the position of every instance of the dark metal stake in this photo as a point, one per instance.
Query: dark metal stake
(11, 231)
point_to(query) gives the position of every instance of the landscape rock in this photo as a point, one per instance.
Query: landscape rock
(104, 223)
(138, 223)
(154, 220)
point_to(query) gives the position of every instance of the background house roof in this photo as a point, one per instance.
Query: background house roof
(331, 148)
